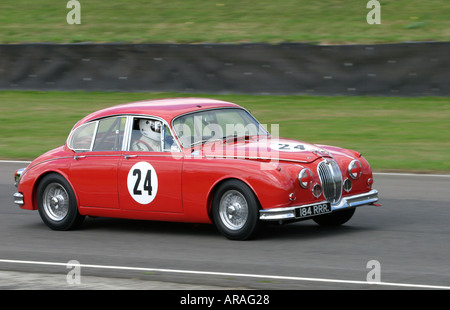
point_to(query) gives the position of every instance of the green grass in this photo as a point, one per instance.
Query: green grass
(402, 134)
(233, 21)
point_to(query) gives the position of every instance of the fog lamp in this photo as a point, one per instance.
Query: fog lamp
(317, 190)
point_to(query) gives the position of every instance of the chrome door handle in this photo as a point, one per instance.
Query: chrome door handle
(130, 156)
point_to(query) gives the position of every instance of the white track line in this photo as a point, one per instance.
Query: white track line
(15, 162)
(227, 274)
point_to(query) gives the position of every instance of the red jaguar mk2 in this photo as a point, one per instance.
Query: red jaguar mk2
(191, 160)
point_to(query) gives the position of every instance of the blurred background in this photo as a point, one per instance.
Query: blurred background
(394, 132)
(230, 21)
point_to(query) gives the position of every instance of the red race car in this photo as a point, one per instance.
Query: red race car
(191, 160)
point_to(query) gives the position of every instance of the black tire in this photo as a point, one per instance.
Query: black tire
(57, 203)
(235, 210)
(336, 218)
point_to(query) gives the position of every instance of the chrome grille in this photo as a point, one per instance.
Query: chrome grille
(331, 179)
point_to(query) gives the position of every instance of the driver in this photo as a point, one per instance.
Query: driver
(150, 140)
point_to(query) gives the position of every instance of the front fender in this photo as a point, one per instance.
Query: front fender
(271, 185)
(32, 175)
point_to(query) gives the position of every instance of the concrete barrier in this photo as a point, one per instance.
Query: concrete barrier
(403, 69)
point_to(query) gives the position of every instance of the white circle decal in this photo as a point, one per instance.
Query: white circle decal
(142, 182)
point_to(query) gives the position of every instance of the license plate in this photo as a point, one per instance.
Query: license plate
(307, 211)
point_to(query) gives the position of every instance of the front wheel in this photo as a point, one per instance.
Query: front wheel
(57, 204)
(235, 210)
(335, 219)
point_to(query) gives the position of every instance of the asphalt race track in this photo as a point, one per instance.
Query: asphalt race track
(402, 245)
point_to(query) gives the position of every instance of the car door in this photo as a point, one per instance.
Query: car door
(93, 171)
(150, 169)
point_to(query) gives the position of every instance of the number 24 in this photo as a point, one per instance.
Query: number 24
(147, 182)
(283, 146)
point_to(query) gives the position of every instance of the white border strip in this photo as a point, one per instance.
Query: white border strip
(227, 274)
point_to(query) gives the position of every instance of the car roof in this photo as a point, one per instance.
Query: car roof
(167, 108)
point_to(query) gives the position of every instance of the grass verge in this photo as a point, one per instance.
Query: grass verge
(224, 21)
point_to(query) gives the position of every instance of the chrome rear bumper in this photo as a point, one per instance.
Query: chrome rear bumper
(285, 214)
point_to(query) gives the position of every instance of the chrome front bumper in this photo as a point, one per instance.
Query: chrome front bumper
(18, 199)
(286, 214)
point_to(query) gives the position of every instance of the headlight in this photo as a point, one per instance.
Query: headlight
(17, 176)
(355, 169)
(305, 178)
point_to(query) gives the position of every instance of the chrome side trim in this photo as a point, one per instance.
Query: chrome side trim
(41, 162)
(18, 199)
(277, 214)
(275, 159)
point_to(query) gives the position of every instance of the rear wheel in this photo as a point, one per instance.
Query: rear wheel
(235, 210)
(57, 204)
(335, 219)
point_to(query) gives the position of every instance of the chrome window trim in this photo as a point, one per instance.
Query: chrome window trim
(275, 159)
(94, 136)
(127, 133)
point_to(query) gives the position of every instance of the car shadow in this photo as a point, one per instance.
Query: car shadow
(146, 226)
(307, 230)
(299, 230)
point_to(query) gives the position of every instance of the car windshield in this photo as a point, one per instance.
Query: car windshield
(217, 124)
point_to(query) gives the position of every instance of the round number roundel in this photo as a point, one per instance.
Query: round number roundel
(142, 182)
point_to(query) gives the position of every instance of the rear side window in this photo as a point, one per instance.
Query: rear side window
(109, 135)
(104, 135)
(83, 137)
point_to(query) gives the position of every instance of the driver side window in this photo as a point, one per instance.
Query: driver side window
(146, 135)
(151, 135)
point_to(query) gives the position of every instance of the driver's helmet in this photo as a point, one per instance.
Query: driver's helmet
(150, 129)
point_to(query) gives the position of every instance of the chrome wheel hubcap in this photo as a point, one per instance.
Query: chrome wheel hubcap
(233, 210)
(56, 202)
